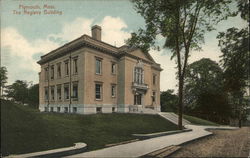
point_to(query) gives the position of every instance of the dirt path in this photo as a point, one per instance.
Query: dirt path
(224, 143)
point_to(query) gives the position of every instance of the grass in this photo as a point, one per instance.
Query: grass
(25, 130)
(199, 121)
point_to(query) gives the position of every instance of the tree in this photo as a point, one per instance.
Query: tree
(204, 91)
(182, 23)
(18, 91)
(169, 101)
(234, 45)
(33, 96)
(3, 78)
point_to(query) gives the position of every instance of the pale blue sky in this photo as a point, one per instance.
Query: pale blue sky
(24, 38)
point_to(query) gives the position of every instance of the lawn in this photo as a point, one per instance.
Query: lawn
(199, 121)
(25, 130)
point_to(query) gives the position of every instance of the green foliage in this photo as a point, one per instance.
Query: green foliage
(199, 121)
(25, 129)
(183, 24)
(172, 19)
(204, 91)
(235, 60)
(21, 92)
(33, 95)
(169, 101)
(18, 91)
(202, 76)
(243, 9)
(234, 45)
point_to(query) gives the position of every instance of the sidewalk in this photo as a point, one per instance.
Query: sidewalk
(144, 147)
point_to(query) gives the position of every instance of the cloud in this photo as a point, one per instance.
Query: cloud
(20, 54)
(168, 75)
(72, 30)
(113, 30)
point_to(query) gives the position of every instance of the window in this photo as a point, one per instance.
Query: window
(98, 66)
(58, 109)
(137, 99)
(52, 72)
(66, 91)
(74, 109)
(113, 90)
(66, 109)
(98, 91)
(75, 90)
(113, 109)
(66, 68)
(46, 90)
(59, 74)
(153, 96)
(59, 92)
(154, 79)
(46, 70)
(113, 68)
(99, 109)
(75, 65)
(138, 75)
(51, 109)
(52, 92)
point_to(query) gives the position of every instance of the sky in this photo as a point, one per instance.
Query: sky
(48, 24)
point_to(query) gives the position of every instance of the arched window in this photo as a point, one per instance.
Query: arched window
(138, 75)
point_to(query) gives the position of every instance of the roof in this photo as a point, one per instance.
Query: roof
(87, 41)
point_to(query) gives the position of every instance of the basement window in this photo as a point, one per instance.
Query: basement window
(98, 109)
(74, 109)
(66, 110)
(58, 109)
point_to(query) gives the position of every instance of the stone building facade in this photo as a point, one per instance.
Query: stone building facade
(89, 76)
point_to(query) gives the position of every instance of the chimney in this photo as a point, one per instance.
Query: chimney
(96, 32)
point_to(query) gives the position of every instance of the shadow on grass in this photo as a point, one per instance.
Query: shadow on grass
(25, 130)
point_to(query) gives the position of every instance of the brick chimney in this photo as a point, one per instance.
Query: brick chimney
(96, 32)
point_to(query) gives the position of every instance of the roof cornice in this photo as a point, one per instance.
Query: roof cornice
(89, 42)
(83, 41)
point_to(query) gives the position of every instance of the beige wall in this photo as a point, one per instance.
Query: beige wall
(87, 78)
(63, 79)
(106, 77)
(148, 79)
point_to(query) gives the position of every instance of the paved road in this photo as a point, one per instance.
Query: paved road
(144, 147)
(223, 143)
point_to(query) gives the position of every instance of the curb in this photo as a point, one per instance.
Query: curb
(76, 149)
(159, 134)
(210, 134)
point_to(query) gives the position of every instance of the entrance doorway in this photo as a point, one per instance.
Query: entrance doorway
(137, 99)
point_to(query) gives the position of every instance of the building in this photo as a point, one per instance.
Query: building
(88, 76)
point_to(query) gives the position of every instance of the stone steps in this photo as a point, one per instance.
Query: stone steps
(172, 117)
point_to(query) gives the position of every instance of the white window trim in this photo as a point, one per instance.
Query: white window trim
(64, 96)
(75, 65)
(113, 72)
(100, 91)
(75, 83)
(52, 96)
(57, 96)
(113, 85)
(66, 68)
(57, 72)
(100, 60)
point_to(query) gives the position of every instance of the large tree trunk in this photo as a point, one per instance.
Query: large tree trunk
(180, 102)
